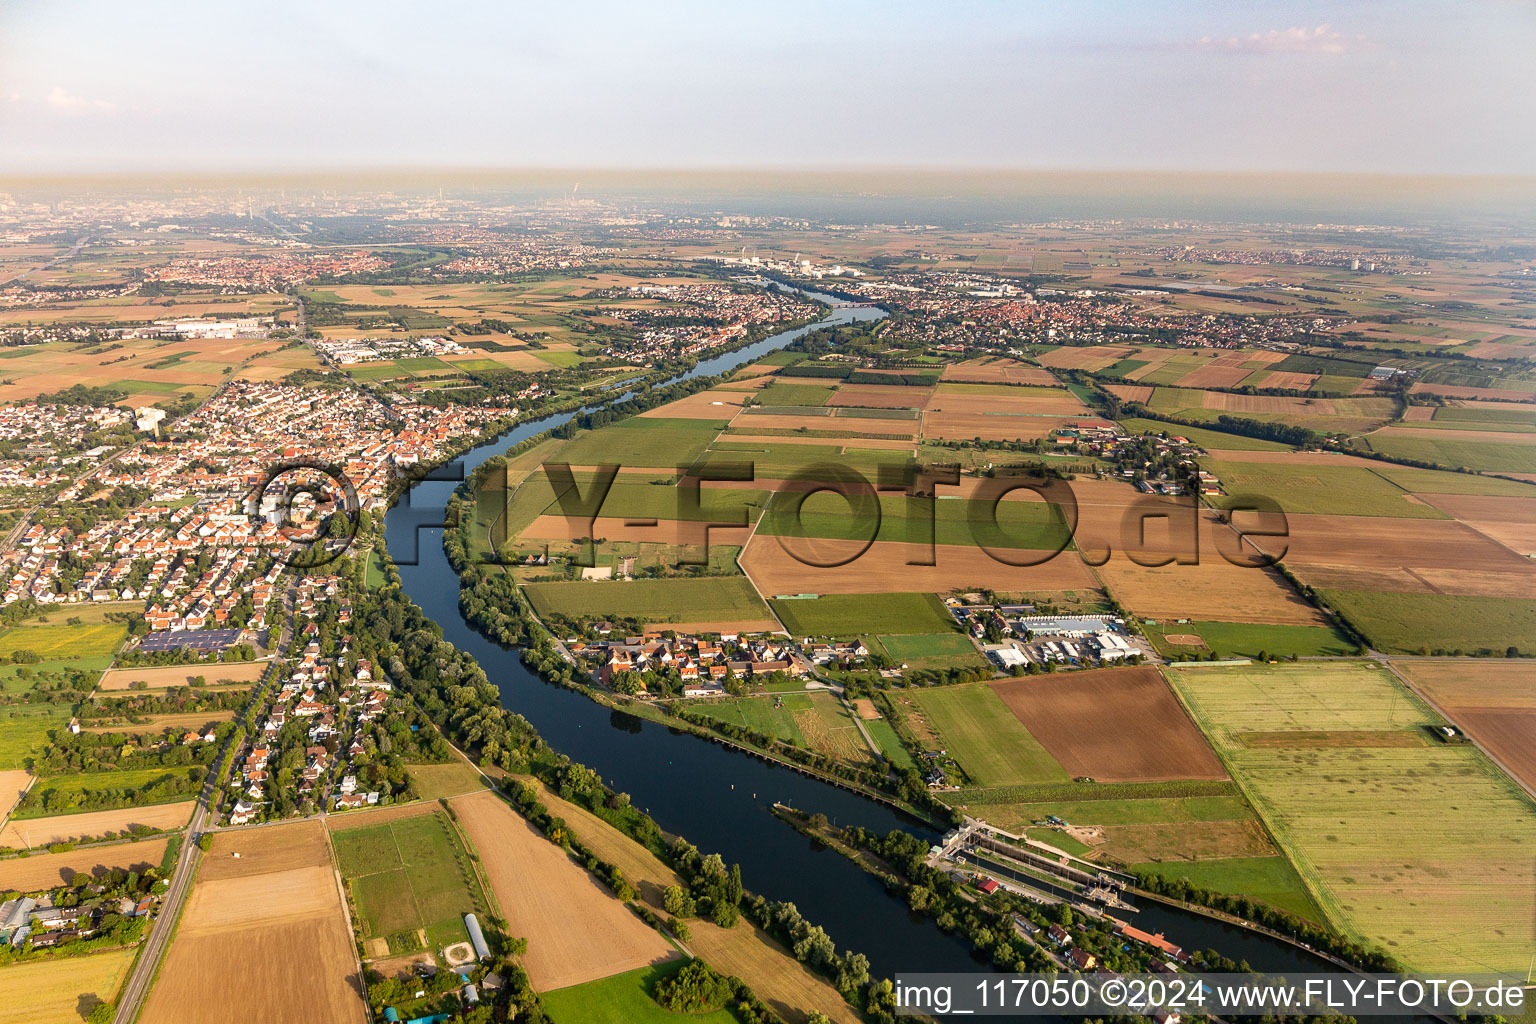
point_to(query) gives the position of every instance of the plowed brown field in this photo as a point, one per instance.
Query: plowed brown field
(1113, 725)
(982, 371)
(884, 569)
(1492, 701)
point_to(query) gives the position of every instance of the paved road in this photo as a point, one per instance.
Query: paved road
(153, 947)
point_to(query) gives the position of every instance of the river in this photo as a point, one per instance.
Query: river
(719, 798)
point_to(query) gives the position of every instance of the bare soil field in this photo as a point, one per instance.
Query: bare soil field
(28, 874)
(270, 924)
(12, 785)
(64, 827)
(1510, 521)
(726, 626)
(884, 569)
(1112, 725)
(1446, 555)
(1007, 371)
(1213, 376)
(1418, 413)
(1184, 640)
(1436, 434)
(576, 930)
(878, 396)
(1493, 702)
(181, 675)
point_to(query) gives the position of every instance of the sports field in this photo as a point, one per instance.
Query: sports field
(932, 650)
(772, 716)
(410, 879)
(1249, 639)
(1417, 848)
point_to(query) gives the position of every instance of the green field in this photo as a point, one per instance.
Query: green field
(80, 782)
(24, 728)
(707, 599)
(408, 874)
(859, 614)
(1489, 456)
(889, 743)
(1415, 848)
(1247, 639)
(987, 740)
(1412, 623)
(560, 359)
(780, 393)
(1271, 879)
(932, 650)
(642, 441)
(11, 680)
(1324, 490)
(760, 714)
(1434, 481)
(1204, 438)
(61, 641)
(623, 999)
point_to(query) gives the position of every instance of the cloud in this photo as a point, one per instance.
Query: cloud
(64, 101)
(1296, 39)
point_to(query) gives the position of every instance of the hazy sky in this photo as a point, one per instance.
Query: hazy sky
(1399, 86)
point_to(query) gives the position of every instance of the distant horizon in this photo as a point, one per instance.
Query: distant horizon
(1295, 86)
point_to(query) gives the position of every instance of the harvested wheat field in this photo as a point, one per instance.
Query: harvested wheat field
(1421, 555)
(1450, 391)
(1131, 392)
(1112, 725)
(576, 930)
(713, 404)
(788, 987)
(1086, 357)
(1508, 520)
(64, 827)
(12, 785)
(998, 401)
(1213, 376)
(883, 569)
(29, 874)
(181, 675)
(1213, 590)
(53, 991)
(190, 720)
(672, 532)
(270, 926)
(963, 426)
(992, 369)
(1289, 380)
(1493, 702)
